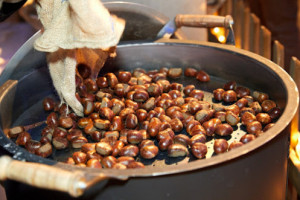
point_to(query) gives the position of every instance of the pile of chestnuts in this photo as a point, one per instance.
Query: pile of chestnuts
(127, 115)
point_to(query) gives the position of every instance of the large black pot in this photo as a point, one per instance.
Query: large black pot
(257, 170)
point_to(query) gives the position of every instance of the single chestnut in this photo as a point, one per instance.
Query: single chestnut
(124, 76)
(229, 96)
(232, 118)
(134, 136)
(181, 139)
(263, 118)
(247, 138)
(93, 163)
(177, 150)
(112, 80)
(88, 147)
(108, 161)
(129, 150)
(220, 146)
(32, 146)
(223, 129)
(211, 125)
(174, 72)
(15, 131)
(190, 72)
(44, 150)
(218, 94)
(23, 138)
(202, 76)
(176, 124)
(254, 127)
(199, 150)
(48, 104)
(103, 148)
(247, 117)
(188, 89)
(149, 151)
(235, 144)
(140, 95)
(267, 105)
(102, 82)
(275, 113)
(60, 143)
(256, 107)
(242, 91)
(198, 94)
(199, 138)
(164, 144)
(78, 142)
(230, 85)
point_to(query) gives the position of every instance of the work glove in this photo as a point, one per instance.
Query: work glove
(76, 31)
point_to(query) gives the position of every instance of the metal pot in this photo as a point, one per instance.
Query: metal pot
(257, 170)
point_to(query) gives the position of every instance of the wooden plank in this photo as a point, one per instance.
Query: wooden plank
(238, 16)
(291, 193)
(265, 42)
(294, 163)
(254, 33)
(246, 29)
(278, 53)
(295, 74)
(293, 175)
(226, 8)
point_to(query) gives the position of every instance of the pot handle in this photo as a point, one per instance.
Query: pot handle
(201, 21)
(42, 176)
(207, 21)
(49, 177)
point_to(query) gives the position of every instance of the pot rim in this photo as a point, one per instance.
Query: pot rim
(280, 125)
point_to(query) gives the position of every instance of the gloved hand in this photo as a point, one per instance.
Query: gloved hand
(75, 30)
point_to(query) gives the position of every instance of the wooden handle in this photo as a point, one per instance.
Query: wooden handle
(205, 21)
(43, 176)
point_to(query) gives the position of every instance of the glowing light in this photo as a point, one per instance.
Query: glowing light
(297, 148)
(295, 142)
(219, 33)
(221, 38)
(216, 30)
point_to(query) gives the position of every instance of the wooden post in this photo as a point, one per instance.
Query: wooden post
(254, 33)
(293, 164)
(295, 74)
(246, 29)
(265, 42)
(226, 8)
(278, 53)
(238, 16)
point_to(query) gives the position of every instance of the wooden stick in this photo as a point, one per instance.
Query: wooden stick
(265, 42)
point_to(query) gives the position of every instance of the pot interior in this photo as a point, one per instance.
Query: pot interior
(221, 64)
